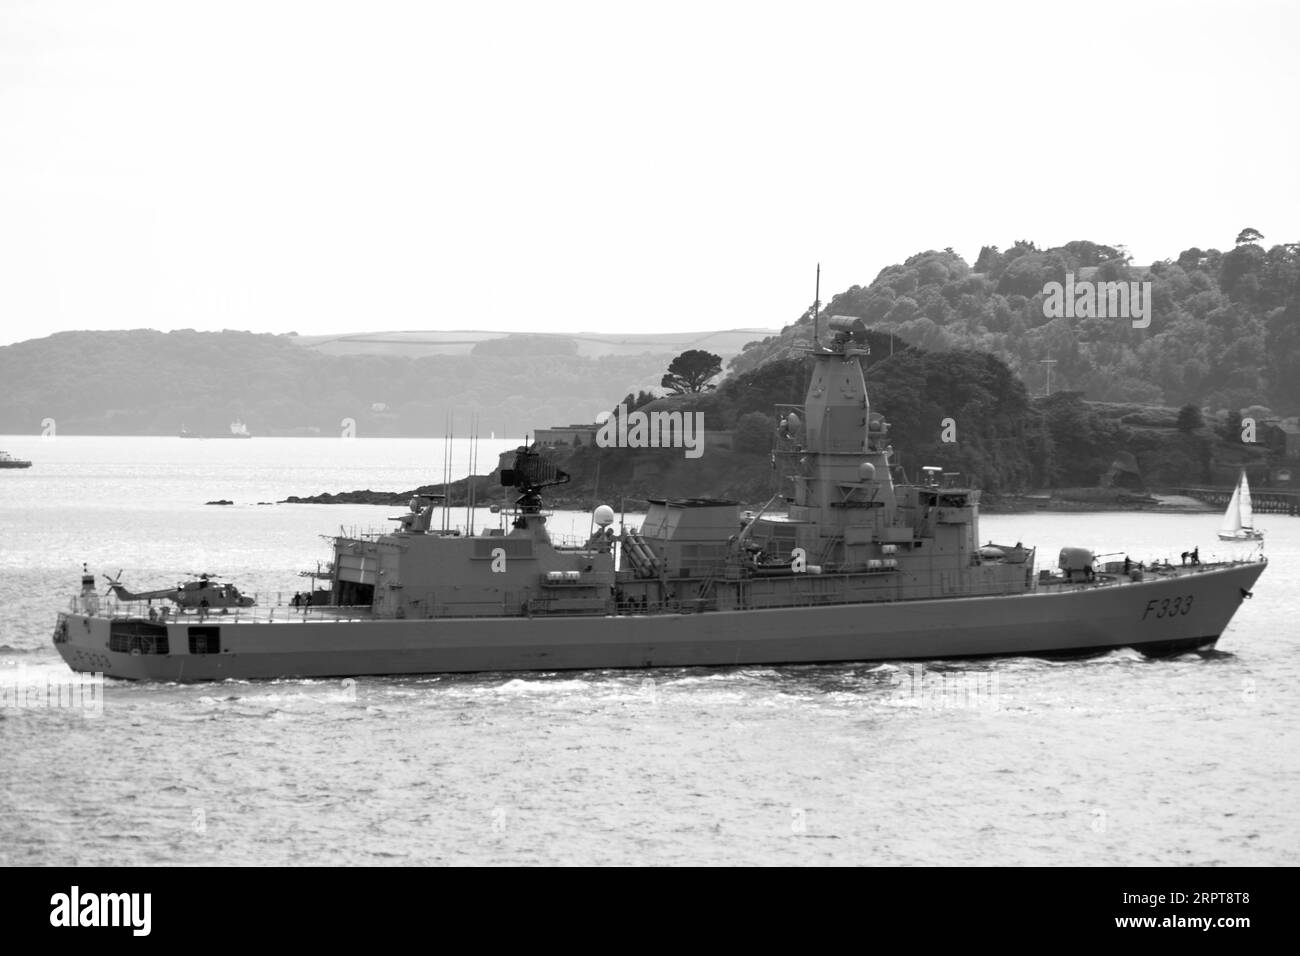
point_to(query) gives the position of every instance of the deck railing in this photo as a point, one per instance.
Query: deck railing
(161, 612)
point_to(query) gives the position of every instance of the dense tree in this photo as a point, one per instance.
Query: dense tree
(1224, 329)
(635, 400)
(691, 371)
(988, 259)
(1082, 253)
(1232, 426)
(1082, 443)
(1190, 418)
(754, 432)
(1028, 273)
(1190, 259)
(1282, 371)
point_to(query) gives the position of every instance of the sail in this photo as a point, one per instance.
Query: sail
(1246, 516)
(1232, 517)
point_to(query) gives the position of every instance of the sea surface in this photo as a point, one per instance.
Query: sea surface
(1110, 760)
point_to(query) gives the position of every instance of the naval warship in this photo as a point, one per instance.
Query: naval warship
(846, 564)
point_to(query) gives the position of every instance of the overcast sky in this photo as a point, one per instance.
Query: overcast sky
(329, 167)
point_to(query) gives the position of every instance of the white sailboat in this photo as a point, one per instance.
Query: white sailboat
(1238, 520)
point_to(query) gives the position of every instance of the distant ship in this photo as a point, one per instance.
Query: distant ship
(9, 461)
(852, 566)
(237, 430)
(1238, 519)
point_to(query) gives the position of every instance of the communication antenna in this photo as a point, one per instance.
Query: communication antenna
(469, 451)
(473, 485)
(591, 527)
(817, 304)
(469, 481)
(446, 471)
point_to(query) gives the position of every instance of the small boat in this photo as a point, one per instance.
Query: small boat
(1237, 520)
(237, 430)
(9, 461)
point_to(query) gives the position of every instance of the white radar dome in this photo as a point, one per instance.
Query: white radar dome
(604, 515)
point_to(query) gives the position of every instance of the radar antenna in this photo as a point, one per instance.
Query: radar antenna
(530, 472)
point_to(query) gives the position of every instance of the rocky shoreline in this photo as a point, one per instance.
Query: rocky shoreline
(1024, 504)
(1080, 500)
(629, 480)
(487, 491)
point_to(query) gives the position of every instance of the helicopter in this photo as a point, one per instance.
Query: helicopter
(203, 593)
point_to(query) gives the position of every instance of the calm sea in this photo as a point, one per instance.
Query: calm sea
(1111, 760)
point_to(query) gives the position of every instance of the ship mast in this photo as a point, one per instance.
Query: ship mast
(842, 480)
(817, 304)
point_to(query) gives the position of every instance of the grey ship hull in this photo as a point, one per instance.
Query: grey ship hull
(1053, 621)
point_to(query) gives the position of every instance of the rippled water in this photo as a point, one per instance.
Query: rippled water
(1110, 760)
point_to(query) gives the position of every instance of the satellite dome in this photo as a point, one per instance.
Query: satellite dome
(604, 515)
(866, 471)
